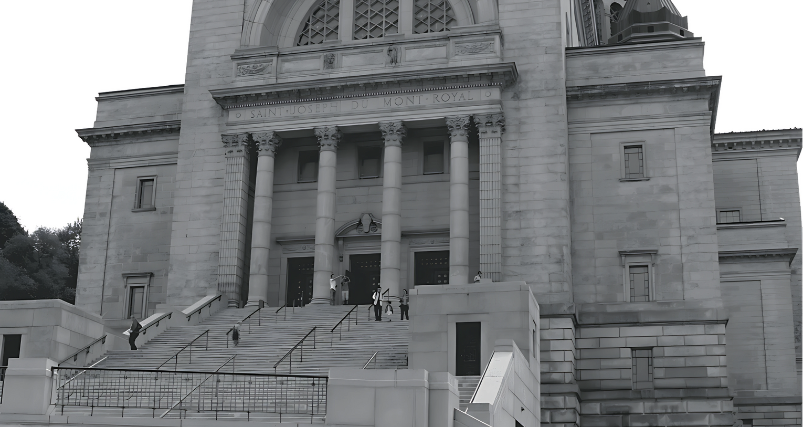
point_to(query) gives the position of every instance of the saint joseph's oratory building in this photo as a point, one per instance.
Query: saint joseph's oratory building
(637, 268)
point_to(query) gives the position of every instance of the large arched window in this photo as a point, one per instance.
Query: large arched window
(375, 18)
(322, 24)
(432, 16)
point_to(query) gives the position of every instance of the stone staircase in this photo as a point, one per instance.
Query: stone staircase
(466, 385)
(257, 352)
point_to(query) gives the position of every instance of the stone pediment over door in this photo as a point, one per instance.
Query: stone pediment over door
(364, 226)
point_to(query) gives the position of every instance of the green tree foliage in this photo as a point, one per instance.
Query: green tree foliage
(39, 265)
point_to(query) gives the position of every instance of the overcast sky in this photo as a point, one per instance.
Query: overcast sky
(60, 54)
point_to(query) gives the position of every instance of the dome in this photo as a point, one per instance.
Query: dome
(649, 20)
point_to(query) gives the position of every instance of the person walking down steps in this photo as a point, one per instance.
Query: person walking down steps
(235, 334)
(388, 308)
(404, 304)
(133, 333)
(377, 302)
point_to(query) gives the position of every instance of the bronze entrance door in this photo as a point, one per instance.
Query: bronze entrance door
(468, 348)
(364, 273)
(299, 281)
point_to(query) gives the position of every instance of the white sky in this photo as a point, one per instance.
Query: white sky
(60, 54)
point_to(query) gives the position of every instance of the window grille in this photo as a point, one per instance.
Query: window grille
(432, 16)
(642, 368)
(634, 161)
(639, 283)
(322, 24)
(729, 216)
(375, 18)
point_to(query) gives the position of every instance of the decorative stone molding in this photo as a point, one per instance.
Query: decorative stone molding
(235, 144)
(490, 125)
(394, 82)
(366, 225)
(393, 133)
(393, 55)
(253, 69)
(653, 253)
(475, 48)
(118, 134)
(458, 126)
(785, 254)
(328, 137)
(434, 241)
(784, 139)
(329, 61)
(266, 143)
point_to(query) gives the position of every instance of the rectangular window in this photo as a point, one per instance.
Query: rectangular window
(729, 216)
(370, 161)
(534, 345)
(146, 193)
(136, 302)
(432, 268)
(433, 157)
(633, 161)
(642, 368)
(639, 283)
(307, 166)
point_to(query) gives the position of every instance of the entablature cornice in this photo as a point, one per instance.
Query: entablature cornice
(785, 254)
(764, 141)
(709, 86)
(386, 83)
(116, 134)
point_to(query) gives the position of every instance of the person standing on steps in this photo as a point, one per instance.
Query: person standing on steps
(478, 277)
(133, 333)
(344, 287)
(388, 308)
(404, 304)
(332, 288)
(377, 303)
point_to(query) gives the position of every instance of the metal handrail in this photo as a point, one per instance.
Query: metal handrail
(84, 370)
(369, 360)
(299, 343)
(208, 304)
(206, 332)
(284, 307)
(356, 319)
(74, 356)
(156, 371)
(144, 330)
(199, 385)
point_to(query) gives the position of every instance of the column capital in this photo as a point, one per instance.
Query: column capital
(267, 142)
(393, 133)
(458, 126)
(490, 125)
(235, 144)
(328, 137)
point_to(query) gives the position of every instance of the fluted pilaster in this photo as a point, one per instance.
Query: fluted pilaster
(491, 127)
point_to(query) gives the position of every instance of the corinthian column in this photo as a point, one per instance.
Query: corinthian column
(328, 138)
(491, 127)
(235, 217)
(458, 200)
(393, 133)
(266, 145)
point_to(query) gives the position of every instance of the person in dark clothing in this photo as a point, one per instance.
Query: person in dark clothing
(404, 304)
(133, 332)
(377, 302)
(235, 334)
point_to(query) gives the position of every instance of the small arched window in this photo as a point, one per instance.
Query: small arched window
(322, 24)
(375, 18)
(432, 16)
(615, 9)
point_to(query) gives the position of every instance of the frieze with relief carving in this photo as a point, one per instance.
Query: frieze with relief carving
(255, 69)
(475, 48)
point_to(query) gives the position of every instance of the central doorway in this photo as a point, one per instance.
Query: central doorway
(299, 281)
(364, 273)
(469, 335)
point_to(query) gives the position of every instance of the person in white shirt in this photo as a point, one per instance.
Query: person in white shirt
(404, 302)
(377, 302)
(344, 287)
(333, 288)
(478, 277)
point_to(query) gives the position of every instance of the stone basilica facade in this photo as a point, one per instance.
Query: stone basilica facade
(568, 144)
